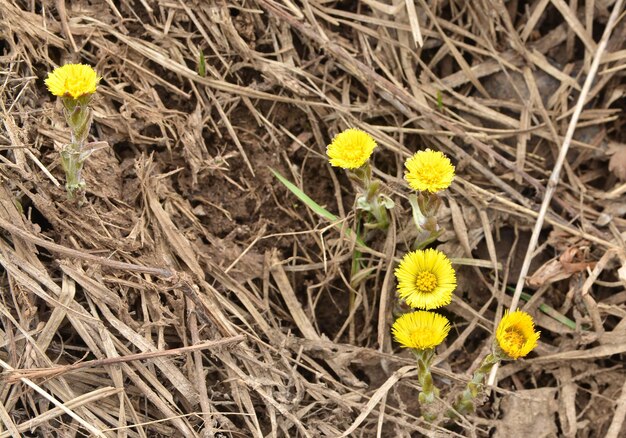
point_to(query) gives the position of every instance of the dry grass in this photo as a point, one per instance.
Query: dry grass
(193, 296)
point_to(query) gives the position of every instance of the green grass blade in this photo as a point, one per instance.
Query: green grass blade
(305, 198)
(550, 311)
(321, 211)
(202, 65)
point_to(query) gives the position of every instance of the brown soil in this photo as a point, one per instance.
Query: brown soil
(185, 238)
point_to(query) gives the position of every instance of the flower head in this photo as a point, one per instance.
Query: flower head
(420, 330)
(351, 149)
(516, 334)
(73, 80)
(429, 171)
(426, 279)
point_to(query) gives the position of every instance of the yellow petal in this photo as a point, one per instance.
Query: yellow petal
(72, 80)
(429, 171)
(420, 330)
(426, 279)
(350, 149)
(516, 334)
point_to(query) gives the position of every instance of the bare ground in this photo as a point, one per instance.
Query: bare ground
(193, 295)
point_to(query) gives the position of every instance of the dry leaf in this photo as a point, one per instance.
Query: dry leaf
(570, 262)
(617, 163)
(528, 413)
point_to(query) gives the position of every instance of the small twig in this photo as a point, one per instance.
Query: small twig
(65, 24)
(556, 171)
(414, 23)
(92, 429)
(38, 373)
(618, 416)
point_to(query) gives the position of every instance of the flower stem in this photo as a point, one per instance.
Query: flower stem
(371, 199)
(72, 165)
(354, 270)
(429, 392)
(73, 155)
(466, 401)
(424, 207)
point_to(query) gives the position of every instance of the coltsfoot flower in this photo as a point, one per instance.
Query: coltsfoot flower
(429, 171)
(72, 80)
(420, 330)
(516, 335)
(426, 279)
(350, 149)
(74, 84)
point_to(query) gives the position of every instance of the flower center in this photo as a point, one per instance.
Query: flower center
(75, 85)
(354, 152)
(430, 174)
(425, 282)
(422, 338)
(514, 338)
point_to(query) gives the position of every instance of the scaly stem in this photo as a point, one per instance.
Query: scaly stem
(425, 206)
(429, 392)
(72, 165)
(73, 155)
(371, 200)
(466, 401)
(371, 212)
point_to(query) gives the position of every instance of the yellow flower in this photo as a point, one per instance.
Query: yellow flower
(516, 334)
(429, 171)
(351, 149)
(426, 279)
(73, 80)
(420, 330)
